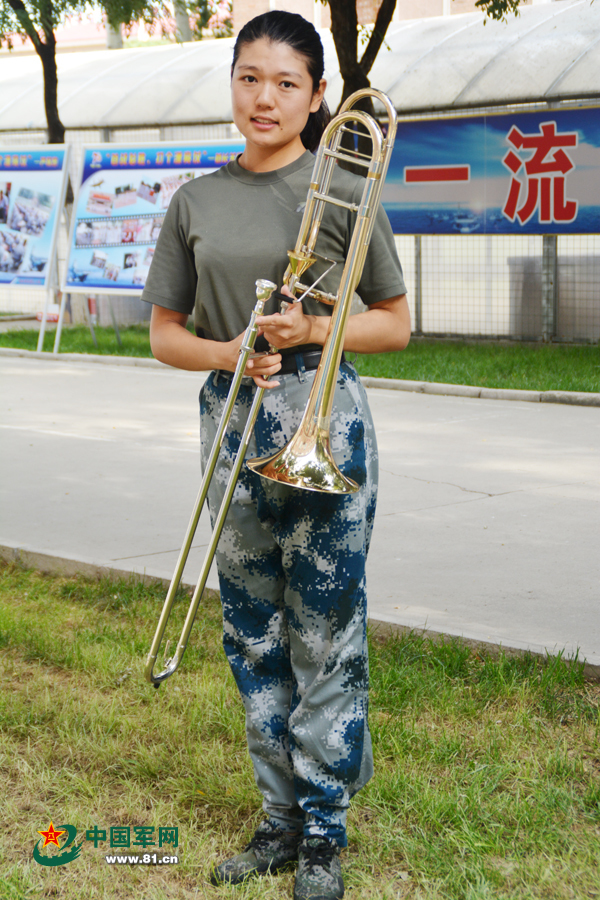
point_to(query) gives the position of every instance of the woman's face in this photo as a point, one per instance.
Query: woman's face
(272, 96)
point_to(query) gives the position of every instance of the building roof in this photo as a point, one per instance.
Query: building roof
(550, 52)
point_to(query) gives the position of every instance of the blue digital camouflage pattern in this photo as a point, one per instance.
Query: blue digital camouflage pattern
(292, 577)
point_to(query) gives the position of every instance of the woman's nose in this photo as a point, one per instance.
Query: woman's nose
(265, 94)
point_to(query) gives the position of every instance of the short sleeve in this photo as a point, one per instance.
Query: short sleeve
(382, 276)
(172, 279)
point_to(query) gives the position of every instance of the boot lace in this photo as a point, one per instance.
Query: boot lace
(261, 841)
(320, 854)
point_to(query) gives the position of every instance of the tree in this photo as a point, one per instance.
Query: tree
(37, 20)
(346, 32)
(498, 9)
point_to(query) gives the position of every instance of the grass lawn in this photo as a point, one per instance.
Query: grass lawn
(77, 339)
(536, 367)
(487, 780)
(539, 367)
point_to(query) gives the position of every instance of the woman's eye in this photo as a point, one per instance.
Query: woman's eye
(287, 84)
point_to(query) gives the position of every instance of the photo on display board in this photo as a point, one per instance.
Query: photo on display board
(126, 195)
(106, 231)
(37, 261)
(156, 226)
(83, 234)
(30, 211)
(99, 259)
(100, 203)
(12, 251)
(111, 271)
(4, 201)
(144, 231)
(170, 184)
(149, 192)
(129, 228)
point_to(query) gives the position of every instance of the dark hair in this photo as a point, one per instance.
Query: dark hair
(282, 27)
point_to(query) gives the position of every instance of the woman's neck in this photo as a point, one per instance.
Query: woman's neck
(267, 159)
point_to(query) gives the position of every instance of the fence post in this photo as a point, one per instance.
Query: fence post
(489, 285)
(418, 329)
(549, 287)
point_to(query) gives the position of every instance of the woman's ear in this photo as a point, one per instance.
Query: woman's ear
(318, 96)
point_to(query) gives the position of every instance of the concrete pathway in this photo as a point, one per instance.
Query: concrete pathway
(487, 525)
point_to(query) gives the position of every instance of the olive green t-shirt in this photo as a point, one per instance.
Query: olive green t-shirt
(225, 230)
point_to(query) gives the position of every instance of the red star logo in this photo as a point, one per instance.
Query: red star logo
(51, 836)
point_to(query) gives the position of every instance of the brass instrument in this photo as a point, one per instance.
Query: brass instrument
(306, 460)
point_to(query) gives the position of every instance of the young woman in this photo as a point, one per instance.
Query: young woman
(291, 562)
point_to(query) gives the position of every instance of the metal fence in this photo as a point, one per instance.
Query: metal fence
(511, 287)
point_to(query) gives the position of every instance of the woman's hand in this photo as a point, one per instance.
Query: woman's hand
(175, 346)
(259, 367)
(288, 329)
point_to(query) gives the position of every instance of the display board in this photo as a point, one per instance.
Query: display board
(32, 191)
(124, 192)
(521, 173)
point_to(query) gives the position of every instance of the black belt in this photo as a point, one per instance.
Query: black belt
(289, 363)
(310, 358)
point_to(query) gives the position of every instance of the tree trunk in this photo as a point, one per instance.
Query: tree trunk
(354, 72)
(344, 29)
(47, 54)
(56, 129)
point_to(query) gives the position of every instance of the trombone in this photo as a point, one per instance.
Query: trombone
(306, 461)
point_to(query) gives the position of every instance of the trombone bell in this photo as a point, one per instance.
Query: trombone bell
(305, 462)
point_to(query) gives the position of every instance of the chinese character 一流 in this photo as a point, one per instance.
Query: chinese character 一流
(545, 175)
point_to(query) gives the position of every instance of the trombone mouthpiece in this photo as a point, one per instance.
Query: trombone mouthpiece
(264, 289)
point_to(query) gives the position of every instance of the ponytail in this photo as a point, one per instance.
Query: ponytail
(314, 128)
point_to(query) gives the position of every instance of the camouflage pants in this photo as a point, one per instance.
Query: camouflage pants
(292, 577)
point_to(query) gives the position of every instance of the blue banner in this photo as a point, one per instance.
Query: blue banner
(522, 173)
(124, 192)
(32, 185)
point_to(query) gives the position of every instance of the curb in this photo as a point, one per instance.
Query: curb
(571, 398)
(19, 317)
(141, 361)
(382, 628)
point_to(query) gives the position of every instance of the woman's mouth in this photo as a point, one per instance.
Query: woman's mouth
(263, 122)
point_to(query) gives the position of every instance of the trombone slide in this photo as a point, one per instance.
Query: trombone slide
(264, 289)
